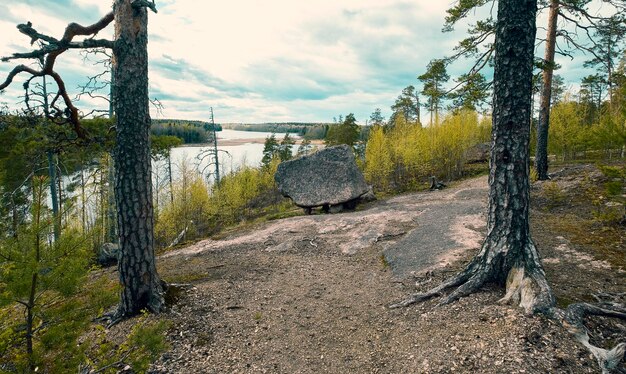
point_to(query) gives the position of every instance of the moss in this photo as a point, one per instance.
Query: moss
(563, 301)
(604, 242)
(187, 277)
(614, 188)
(383, 261)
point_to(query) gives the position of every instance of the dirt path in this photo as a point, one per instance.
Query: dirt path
(309, 294)
(418, 232)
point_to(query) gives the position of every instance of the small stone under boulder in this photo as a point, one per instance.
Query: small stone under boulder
(328, 178)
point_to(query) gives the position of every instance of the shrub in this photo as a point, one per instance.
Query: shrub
(405, 154)
(553, 194)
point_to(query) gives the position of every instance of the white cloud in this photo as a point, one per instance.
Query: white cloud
(274, 60)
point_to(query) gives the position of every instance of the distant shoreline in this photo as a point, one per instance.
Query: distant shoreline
(236, 142)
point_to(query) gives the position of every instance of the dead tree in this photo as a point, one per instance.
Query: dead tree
(508, 255)
(141, 286)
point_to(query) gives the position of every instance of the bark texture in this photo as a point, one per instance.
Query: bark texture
(508, 255)
(541, 152)
(141, 285)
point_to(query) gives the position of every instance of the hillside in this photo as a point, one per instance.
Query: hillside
(309, 294)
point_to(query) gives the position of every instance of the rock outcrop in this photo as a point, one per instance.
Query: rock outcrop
(329, 178)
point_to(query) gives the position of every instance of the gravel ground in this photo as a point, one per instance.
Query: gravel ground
(309, 294)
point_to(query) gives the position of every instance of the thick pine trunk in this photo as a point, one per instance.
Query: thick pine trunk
(111, 229)
(142, 288)
(541, 152)
(508, 255)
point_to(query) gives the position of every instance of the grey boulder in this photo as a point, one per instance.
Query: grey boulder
(478, 153)
(327, 178)
(108, 255)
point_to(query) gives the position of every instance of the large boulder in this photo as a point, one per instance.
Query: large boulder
(108, 254)
(478, 153)
(327, 178)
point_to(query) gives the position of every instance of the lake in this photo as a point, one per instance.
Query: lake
(236, 149)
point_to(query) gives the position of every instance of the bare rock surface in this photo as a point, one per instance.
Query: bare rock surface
(327, 177)
(309, 294)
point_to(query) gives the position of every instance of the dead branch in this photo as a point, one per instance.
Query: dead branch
(138, 4)
(47, 53)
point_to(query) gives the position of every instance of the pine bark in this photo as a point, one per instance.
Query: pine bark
(509, 169)
(508, 254)
(541, 151)
(141, 285)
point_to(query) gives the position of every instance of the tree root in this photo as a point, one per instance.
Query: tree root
(455, 281)
(169, 296)
(527, 287)
(573, 318)
(526, 282)
(530, 290)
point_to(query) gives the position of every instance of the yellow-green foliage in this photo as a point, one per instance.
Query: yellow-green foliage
(204, 210)
(610, 134)
(570, 136)
(567, 134)
(378, 161)
(554, 194)
(239, 192)
(191, 209)
(617, 176)
(407, 154)
(534, 176)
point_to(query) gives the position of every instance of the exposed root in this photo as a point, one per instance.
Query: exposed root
(528, 289)
(110, 318)
(458, 280)
(165, 294)
(526, 285)
(473, 284)
(573, 320)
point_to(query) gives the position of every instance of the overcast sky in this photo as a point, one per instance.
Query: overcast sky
(262, 61)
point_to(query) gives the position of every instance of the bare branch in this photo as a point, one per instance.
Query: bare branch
(17, 70)
(138, 4)
(157, 105)
(50, 49)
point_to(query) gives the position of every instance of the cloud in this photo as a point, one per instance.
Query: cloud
(276, 60)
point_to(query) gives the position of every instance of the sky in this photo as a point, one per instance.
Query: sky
(262, 61)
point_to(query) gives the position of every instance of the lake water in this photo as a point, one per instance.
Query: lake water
(231, 157)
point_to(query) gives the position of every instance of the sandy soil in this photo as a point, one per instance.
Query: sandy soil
(309, 294)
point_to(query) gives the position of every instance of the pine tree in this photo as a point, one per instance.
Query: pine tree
(433, 80)
(270, 149)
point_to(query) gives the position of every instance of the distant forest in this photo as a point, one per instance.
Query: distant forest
(191, 132)
(307, 130)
